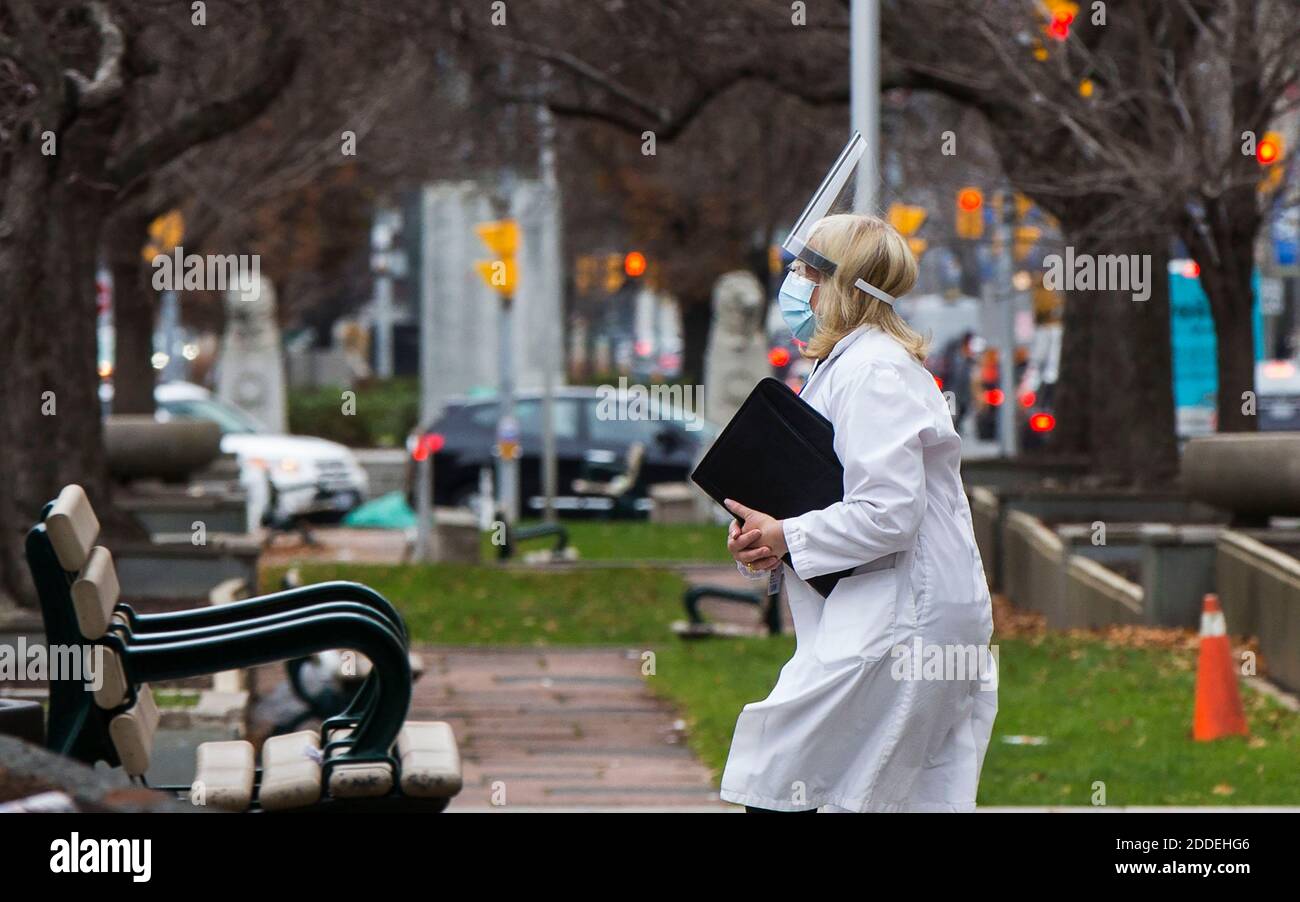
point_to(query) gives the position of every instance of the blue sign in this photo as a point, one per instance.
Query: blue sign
(1196, 368)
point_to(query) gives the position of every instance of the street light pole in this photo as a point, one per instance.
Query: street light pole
(864, 97)
(551, 293)
(387, 221)
(1006, 299)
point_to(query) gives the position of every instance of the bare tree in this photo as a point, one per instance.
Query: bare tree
(1128, 132)
(79, 136)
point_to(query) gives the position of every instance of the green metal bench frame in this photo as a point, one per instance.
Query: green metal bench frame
(263, 630)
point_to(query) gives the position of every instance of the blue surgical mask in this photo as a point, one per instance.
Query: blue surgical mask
(795, 300)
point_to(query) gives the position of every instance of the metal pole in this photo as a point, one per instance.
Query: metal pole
(1007, 432)
(424, 506)
(554, 303)
(381, 243)
(507, 426)
(428, 281)
(864, 91)
(174, 368)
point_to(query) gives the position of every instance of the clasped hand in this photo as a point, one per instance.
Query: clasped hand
(760, 542)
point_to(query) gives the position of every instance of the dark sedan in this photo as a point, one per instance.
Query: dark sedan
(590, 445)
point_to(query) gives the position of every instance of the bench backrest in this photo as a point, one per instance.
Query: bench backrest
(78, 588)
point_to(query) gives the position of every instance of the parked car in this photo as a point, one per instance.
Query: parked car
(313, 478)
(589, 446)
(1277, 386)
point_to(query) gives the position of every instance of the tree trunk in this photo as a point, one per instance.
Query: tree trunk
(1226, 258)
(697, 320)
(1116, 398)
(133, 311)
(52, 432)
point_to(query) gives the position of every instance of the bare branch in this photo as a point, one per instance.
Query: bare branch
(106, 86)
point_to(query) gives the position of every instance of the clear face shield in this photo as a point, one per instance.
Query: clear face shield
(837, 194)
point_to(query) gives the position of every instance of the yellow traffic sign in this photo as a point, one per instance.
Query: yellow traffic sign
(906, 218)
(501, 236)
(500, 275)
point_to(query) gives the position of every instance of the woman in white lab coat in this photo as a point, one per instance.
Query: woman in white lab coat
(889, 700)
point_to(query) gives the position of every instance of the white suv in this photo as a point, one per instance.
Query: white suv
(311, 476)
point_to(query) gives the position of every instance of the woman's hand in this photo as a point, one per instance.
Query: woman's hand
(760, 543)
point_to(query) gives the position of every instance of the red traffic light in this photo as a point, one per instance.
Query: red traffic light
(1267, 152)
(970, 199)
(778, 357)
(1059, 27)
(634, 264)
(1028, 399)
(994, 397)
(1042, 422)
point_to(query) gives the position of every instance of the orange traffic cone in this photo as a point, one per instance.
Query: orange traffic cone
(1218, 700)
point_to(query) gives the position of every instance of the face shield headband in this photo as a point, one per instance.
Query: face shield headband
(834, 195)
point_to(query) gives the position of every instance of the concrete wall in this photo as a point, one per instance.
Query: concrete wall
(1096, 597)
(986, 518)
(1033, 566)
(1259, 589)
(385, 469)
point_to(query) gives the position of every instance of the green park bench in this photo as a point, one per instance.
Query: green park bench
(368, 758)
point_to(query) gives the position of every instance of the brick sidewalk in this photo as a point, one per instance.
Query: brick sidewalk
(572, 728)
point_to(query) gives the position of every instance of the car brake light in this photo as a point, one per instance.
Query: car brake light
(429, 444)
(1042, 422)
(1028, 399)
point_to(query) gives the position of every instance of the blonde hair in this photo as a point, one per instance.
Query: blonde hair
(867, 248)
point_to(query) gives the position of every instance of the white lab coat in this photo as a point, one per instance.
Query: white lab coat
(862, 718)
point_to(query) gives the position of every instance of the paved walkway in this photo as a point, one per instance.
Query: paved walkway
(571, 728)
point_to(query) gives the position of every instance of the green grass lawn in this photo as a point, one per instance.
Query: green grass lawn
(459, 604)
(1108, 713)
(1117, 715)
(604, 540)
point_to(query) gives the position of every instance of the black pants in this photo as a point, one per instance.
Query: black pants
(749, 809)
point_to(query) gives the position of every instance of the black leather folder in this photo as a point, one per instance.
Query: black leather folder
(777, 455)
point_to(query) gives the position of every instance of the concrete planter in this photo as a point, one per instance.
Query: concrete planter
(173, 567)
(1255, 475)
(140, 447)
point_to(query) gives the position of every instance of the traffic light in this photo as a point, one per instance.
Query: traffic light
(1269, 149)
(614, 277)
(1061, 15)
(165, 233)
(634, 264)
(1269, 152)
(970, 213)
(502, 238)
(1025, 239)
